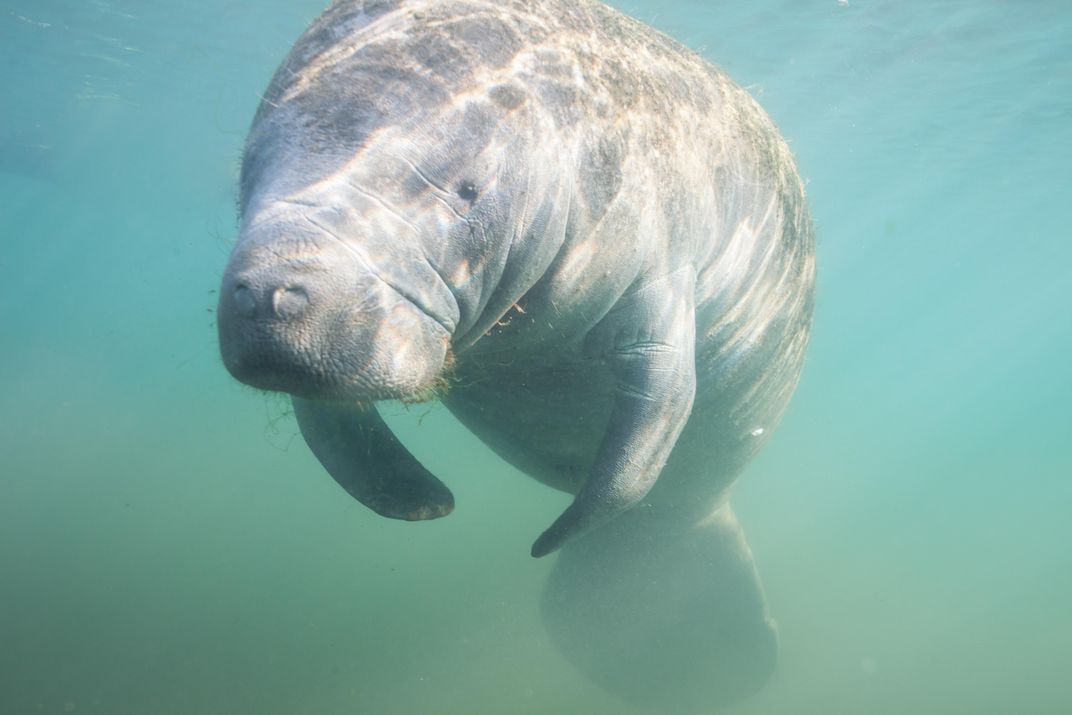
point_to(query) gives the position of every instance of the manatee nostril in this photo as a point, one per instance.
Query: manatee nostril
(289, 302)
(244, 301)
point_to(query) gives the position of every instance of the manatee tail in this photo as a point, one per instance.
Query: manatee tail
(667, 616)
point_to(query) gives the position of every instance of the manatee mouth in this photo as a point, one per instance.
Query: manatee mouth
(307, 340)
(358, 388)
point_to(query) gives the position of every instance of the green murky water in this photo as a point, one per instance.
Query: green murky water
(168, 544)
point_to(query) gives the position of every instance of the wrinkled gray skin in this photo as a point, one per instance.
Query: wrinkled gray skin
(585, 239)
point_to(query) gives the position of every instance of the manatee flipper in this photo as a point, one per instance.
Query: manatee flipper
(361, 453)
(665, 615)
(648, 342)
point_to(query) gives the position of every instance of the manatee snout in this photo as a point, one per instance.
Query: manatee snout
(269, 317)
(286, 302)
(306, 317)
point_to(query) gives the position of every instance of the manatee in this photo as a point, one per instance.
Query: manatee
(587, 242)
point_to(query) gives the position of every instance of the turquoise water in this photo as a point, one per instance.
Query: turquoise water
(168, 544)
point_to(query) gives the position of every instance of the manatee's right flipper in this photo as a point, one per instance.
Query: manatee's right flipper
(665, 615)
(647, 340)
(359, 450)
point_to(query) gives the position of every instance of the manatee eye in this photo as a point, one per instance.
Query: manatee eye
(467, 191)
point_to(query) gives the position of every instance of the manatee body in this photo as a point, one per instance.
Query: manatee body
(592, 246)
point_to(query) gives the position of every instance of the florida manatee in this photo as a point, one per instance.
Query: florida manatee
(592, 246)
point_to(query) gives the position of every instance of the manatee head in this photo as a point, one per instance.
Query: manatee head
(389, 205)
(307, 309)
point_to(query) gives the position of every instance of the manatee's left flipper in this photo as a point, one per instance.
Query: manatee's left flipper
(361, 453)
(648, 341)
